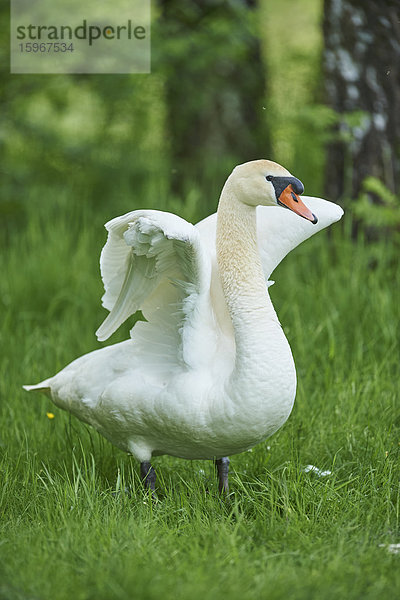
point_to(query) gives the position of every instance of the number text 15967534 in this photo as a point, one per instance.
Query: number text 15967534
(46, 47)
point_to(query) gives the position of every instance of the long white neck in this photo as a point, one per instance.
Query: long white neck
(264, 368)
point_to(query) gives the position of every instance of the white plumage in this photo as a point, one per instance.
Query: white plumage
(210, 373)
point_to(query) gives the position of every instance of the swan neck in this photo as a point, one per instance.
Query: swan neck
(263, 374)
(239, 262)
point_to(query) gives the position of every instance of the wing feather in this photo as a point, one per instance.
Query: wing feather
(279, 230)
(155, 262)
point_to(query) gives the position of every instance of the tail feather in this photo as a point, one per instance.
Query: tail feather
(39, 387)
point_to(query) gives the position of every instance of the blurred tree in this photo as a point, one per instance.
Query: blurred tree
(89, 143)
(93, 141)
(362, 74)
(215, 87)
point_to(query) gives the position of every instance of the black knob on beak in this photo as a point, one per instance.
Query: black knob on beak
(281, 183)
(297, 186)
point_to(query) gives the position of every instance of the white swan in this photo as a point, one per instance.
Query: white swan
(210, 373)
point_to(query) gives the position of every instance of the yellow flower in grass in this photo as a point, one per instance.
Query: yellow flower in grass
(50, 415)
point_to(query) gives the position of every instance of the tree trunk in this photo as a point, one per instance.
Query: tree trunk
(215, 86)
(362, 75)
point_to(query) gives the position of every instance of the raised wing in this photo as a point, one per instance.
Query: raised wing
(279, 230)
(155, 262)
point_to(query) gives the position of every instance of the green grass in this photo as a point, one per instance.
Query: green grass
(283, 532)
(68, 530)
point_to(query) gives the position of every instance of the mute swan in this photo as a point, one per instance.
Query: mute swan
(210, 373)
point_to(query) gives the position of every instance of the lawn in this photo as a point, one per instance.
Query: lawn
(68, 529)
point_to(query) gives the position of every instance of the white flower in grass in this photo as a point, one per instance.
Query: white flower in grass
(318, 472)
(392, 548)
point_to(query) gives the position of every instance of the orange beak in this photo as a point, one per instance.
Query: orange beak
(292, 201)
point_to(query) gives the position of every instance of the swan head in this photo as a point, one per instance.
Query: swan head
(263, 182)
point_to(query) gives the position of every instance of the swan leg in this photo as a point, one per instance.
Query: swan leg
(148, 475)
(222, 466)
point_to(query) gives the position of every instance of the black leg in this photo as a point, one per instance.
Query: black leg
(148, 475)
(222, 465)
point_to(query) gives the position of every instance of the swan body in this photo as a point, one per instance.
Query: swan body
(210, 372)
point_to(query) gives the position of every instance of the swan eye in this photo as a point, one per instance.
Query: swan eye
(269, 178)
